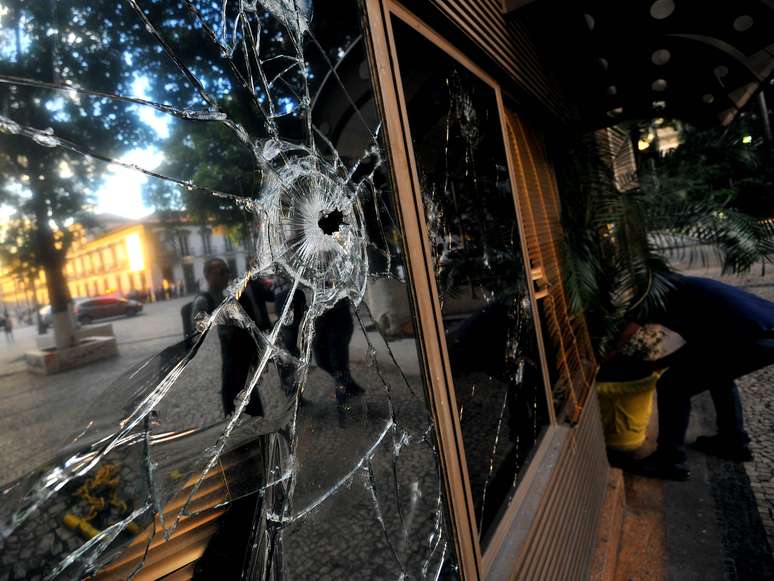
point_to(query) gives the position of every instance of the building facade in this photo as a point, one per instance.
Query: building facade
(404, 184)
(149, 259)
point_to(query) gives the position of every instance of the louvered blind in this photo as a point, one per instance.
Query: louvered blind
(174, 558)
(568, 344)
(508, 43)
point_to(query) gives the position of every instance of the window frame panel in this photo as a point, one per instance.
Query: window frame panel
(474, 562)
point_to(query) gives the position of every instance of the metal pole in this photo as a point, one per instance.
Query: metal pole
(765, 117)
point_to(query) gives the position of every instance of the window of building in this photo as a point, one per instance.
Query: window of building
(227, 244)
(120, 250)
(206, 235)
(182, 238)
(480, 271)
(96, 262)
(108, 258)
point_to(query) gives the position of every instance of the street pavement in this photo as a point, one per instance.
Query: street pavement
(757, 398)
(39, 413)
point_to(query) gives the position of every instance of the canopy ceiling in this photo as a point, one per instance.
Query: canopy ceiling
(698, 60)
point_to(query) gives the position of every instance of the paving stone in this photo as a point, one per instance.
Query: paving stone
(46, 542)
(758, 401)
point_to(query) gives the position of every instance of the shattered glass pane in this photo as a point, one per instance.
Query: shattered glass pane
(490, 334)
(234, 389)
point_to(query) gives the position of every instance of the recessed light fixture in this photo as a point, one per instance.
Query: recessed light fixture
(661, 9)
(743, 23)
(660, 57)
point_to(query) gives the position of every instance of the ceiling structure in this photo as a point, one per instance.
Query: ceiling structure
(697, 60)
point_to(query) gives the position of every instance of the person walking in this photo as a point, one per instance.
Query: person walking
(238, 349)
(332, 335)
(8, 328)
(729, 333)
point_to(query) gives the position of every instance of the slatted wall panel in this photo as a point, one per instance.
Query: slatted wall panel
(570, 351)
(174, 559)
(507, 42)
(560, 544)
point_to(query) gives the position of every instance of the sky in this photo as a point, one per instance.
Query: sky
(121, 189)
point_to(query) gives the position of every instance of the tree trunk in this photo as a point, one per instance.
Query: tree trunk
(35, 305)
(52, 259)
(59, 296)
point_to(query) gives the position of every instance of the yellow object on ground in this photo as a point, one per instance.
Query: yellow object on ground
(81, 525)
(626, 407)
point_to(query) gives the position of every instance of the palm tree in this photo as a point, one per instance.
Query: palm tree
(618, 245)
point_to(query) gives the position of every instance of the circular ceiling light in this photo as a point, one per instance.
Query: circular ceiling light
(659, 85)
(603, 63)
(743, 23)
(612, 90)
(661, 9)
(589, 21)
(708, 98)
(660, 57)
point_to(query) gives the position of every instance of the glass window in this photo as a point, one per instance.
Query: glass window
(183, 240)
(120, 253)
(276, 427)
(206, 241)
(480, 274)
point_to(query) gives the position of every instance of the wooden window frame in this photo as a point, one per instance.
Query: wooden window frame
(473, 562)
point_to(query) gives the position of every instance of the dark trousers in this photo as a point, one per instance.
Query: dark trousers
(707, 367)
(333, 333)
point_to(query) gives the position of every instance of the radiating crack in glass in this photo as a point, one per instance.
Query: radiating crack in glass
(312, 228)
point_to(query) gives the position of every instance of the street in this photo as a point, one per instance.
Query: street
(39, 413)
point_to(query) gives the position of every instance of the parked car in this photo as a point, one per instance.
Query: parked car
(104, 307)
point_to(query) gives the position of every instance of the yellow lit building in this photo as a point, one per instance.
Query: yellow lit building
(123, 256)
(118, 261)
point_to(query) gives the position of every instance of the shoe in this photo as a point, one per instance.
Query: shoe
(657, 466)
(723, 448)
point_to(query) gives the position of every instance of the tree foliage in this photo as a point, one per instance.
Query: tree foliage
(691, 202)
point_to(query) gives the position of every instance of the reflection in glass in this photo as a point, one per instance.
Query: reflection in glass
(258, 409)
(480, 274)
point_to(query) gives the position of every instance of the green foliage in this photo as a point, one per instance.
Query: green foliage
(611, 268)
(618, 246)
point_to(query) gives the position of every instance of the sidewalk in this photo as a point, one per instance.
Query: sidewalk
(720, 524)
